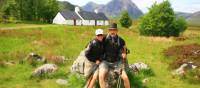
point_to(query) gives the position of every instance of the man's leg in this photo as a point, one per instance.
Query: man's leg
(124, 76)
(103, 70)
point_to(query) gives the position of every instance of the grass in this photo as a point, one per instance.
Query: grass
(68, 41)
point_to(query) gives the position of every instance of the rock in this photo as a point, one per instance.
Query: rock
(44, 69)
(139, 66)
(34, 59)
(35, 56)
(10, 63)
(196, 52)
(183, 68)
(145, 81)
(82, 65)
(61, 81)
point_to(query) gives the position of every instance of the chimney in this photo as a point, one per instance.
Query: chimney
(96, 11)
(77, 9)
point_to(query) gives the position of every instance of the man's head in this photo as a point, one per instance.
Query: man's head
(113, 30)
(99, 34)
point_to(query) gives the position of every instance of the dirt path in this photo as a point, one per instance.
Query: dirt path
(23, 27)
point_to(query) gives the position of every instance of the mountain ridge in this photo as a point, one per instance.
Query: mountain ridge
(115, 7)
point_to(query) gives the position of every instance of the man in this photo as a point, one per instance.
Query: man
(114, 56)
(94, 53)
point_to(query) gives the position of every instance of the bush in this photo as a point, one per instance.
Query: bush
(161, 21)
(181, 24)
(76, 81)
(193, 76)
(135, 80)
(125, 20)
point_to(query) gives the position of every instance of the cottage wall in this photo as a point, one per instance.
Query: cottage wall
(69, 22)
(78, 22)
(88, 22)
(100, 22)
(59, 19)
(106, 22)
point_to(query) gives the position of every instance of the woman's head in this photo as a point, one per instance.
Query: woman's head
(99, 34)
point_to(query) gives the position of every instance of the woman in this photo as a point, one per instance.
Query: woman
(94, 53)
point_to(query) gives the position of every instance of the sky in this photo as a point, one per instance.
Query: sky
(189, 6)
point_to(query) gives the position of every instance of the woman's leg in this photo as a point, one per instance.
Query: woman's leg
(91, 82)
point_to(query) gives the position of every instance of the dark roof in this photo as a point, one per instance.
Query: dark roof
(92, 16)
(69, 15)
(84, 14)
(102, 16)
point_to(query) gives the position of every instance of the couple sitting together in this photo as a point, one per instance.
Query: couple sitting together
(106, 52)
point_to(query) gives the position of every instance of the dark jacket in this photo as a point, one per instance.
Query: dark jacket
(113, 48)
(94, 50)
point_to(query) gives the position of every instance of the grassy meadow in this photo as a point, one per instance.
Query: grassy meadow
(68, 41)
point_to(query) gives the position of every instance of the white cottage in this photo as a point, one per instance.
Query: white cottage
(79, 17)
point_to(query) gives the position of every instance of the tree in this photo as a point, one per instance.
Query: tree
(29, 10)
(125, 20)
(51, 9)
(161, 21)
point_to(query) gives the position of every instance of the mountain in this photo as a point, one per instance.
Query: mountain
(194, 19)
(183, 14)
(91, 6)
(65, 5)
(115, 7)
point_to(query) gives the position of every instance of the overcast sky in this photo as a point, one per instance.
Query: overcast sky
(178, 5)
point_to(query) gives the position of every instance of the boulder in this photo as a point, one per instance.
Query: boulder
(34, 59)
(61, 81)
(139, 66)
(11, 63)
(183, 68)
(44, 69)
(34, 56)
(83, 66)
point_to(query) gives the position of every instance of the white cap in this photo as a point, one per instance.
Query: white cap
(99, 31)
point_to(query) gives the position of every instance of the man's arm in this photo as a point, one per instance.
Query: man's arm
(123, 50)
(124, 54)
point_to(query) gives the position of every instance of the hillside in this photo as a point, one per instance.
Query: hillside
(115, 7)
(59, 40)
(65, 5)
(183, 14)
(194, 19)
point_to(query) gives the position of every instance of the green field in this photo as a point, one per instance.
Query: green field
(68, 41)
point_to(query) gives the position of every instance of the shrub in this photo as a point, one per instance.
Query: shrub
(125, 20)
(135, 80)
(161, 21)
(76, 81)
(181, 24)
(193, 76)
